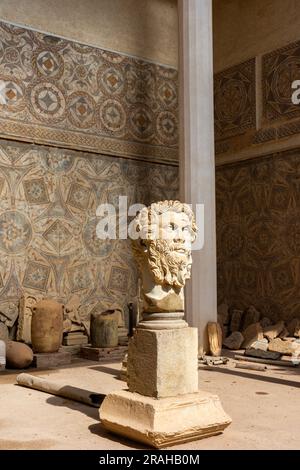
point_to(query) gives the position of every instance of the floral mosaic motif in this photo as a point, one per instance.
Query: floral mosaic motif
(36, 276)
(80, 277)
(86, 98)
(36, 191)
(279, 69)
(57, 161)
(234, 94)
(258, 234)
(15, 232)
(112, 116)
(118, 279)
(48, 63)
(94, 245)
(78, 196)
(57, 235)
(13, 93)
(50, 222)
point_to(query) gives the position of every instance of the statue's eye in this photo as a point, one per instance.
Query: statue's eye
(172, 226)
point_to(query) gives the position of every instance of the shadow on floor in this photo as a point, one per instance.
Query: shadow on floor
(107, 370)
(246, 375)
(100, 431)
(89, 411)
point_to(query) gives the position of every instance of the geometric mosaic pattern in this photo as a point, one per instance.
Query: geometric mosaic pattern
(234, 98)
(258, 234)
(279, 69)
(48, 242)
(59, 91)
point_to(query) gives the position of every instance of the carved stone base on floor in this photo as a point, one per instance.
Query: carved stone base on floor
(165, 421)
(46, 360)
(115, 354)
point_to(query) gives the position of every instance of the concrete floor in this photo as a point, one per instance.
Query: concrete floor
(264, 407)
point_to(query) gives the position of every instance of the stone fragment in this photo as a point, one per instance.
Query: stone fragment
(27, 303)
(265, 322)
(3, 332)
(252, 352)
(75, 339)
(18, 355)
(251, 316)
(284, 347)
(104, 354)
(261, 344)
(294, 327)
(251, 334)
(9, 312)
(234, 341)
(284, 333)
(223, 311)
(271, 332)
(214, 338)
(289, 338)
(236, 320)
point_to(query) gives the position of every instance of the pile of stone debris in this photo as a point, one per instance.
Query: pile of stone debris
(257, 335)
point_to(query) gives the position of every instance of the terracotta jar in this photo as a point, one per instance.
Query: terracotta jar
(47, 326)
(104, 329)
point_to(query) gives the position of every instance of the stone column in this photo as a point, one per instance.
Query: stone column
(197, 165)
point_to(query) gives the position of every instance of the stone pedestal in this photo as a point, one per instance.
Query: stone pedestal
(47, 360)
(163, 363)
(165, 421)
(163, 406)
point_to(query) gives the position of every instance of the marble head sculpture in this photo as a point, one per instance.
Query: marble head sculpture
(166, 231)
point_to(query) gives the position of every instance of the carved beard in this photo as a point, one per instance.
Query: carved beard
(166, 264)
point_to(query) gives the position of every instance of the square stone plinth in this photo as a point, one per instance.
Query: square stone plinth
(163, 363)
(165, 421)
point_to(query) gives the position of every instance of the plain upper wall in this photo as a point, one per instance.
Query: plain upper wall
(142, 28)
(247, 28)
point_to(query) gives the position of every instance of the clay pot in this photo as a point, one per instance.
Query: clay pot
(104, 329)
(47, 326)
(18, 355)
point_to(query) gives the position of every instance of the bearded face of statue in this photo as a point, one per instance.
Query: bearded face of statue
(170, 253)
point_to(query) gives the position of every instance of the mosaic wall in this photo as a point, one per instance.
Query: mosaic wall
(234, 91)
(48, 201)
(280, 69)
(253, 104)
(56, 91)
(258, 234)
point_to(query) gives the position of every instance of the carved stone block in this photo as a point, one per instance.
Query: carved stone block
(163, 363)
(27, 303)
